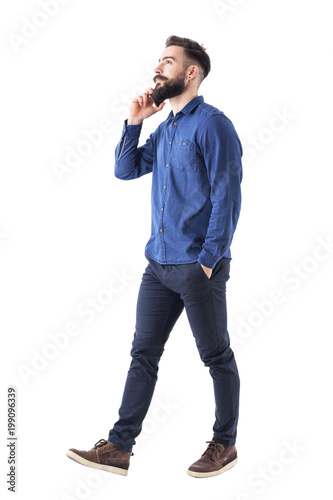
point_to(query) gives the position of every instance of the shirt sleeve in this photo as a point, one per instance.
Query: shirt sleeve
(222, 152)
(132, 162)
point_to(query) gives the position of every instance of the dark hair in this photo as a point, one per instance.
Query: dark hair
(194, 52)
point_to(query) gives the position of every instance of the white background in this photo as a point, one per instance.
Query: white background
(63, 238)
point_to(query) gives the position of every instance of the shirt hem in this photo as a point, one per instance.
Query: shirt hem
(168, 263)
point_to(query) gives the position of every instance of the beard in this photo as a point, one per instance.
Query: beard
(170, 88)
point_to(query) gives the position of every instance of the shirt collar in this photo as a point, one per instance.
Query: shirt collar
(189, 106)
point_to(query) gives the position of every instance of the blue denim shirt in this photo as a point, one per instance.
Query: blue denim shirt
(195, 160)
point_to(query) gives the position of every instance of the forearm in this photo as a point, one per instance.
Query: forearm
(219, 235)
(132, 162)
(226, 204)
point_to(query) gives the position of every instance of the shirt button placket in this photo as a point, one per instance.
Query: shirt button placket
(165, 189)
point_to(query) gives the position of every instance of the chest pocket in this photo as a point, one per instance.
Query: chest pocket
(184, 155)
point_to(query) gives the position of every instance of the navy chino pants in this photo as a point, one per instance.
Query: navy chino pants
(164, 292)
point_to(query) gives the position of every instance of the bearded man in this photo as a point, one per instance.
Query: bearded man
(195, 160)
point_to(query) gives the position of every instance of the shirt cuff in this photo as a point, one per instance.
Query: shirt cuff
(207, 259)
(132, 131)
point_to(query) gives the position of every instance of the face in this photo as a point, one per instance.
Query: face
(171, 75)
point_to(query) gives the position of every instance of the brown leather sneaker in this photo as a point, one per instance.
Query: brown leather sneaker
(105, 456)
(216, 459)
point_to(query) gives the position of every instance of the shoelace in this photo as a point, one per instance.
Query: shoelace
(100, 443)
(103, 442)
(213, 447)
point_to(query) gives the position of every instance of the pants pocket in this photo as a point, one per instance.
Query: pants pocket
(203, 272)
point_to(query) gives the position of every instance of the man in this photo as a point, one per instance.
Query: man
(195, 158)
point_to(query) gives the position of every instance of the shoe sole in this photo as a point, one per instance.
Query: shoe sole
(213, 473)
(88, 463)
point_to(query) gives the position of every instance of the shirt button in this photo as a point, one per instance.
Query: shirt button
(170, 142)
(175, 123)
(164, 187)
(184, 143)
(162, 209)
(167, 164)
(161, 230)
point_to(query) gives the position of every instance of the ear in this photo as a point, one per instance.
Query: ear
(193, 71)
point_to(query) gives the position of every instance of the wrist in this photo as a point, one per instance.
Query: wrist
(134, 121)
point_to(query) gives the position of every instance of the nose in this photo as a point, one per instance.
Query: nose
(158, 69)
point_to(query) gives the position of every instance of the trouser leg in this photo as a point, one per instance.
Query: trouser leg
(205, 305)
(158, 309)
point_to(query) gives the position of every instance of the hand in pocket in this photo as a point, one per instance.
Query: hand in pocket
(207, 270)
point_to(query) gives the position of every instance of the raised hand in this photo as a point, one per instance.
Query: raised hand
(142, 107)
